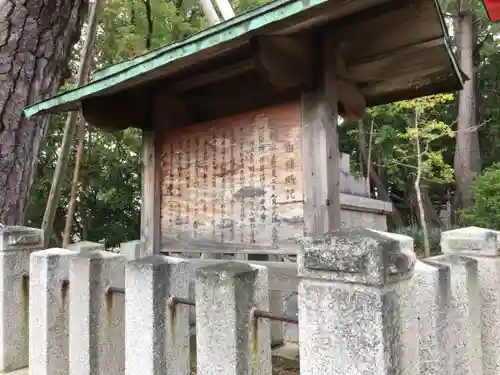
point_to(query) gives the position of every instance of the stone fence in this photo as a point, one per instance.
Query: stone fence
(366, 306)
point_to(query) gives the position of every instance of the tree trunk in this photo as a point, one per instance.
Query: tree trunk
(373, 175)
(467, 159)
(420, 203)
(35, 42)
(430, 214)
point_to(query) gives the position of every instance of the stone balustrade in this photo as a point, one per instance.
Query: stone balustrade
(366, 306)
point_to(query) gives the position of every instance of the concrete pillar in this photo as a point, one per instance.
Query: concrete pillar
(355, 305)
(276, 306)
(16, 244)
(466, 311)
(276, 300)
(48, 312)
(228, 341)
(97, 317)
(291, 309)
(432, 291)
(85, 247)
(132, 250)
(157, 334)
(482, 245)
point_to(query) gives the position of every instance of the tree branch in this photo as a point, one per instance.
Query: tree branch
(149, 35)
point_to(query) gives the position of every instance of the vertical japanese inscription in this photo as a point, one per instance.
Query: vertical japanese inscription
(171, 187)
(196, 185)
(205, 180)
(178, 191)
(290, 179)
(231, 181)
(242, 185)
(252, 182)
(275, 219)
(262, 170)
(214, 183)
(187, 168)
(223, 171)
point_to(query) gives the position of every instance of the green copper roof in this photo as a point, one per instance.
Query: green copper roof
(223, 32)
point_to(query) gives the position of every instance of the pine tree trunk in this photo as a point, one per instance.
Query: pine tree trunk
(35, 42)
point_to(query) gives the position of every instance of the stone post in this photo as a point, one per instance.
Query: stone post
(16, 244)
(228, 340)
(132, 250)
(85, 247)
(466, 306)
(157, 332)
(276, 306)
(432, 291)
(355, 309)
(482, 245)
(97, 317)
(276, 301)
(48, 307)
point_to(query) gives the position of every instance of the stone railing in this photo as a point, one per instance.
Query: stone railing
(366, 306)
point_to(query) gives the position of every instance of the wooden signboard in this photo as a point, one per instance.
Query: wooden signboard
(235, 181)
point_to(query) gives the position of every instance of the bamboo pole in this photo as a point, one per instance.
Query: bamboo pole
(69, 128)
(74, 184)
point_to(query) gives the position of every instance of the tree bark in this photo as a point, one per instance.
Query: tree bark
(35, 43)
(467, 160)
(430, 214)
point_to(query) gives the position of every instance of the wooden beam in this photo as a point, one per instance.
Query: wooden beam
(115, 112)
(360, 63)
(320, 151)
(390, 31)
(151, 195)
(169, 110)
(285, 61)
(212, 76)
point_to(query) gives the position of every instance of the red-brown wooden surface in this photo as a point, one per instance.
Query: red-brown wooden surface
(205, 166)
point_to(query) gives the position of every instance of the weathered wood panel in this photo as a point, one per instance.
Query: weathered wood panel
(150, 211)
(236, 180)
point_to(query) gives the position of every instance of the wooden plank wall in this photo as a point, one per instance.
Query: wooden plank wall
(236, 180)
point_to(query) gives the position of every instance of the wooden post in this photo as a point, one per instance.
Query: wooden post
(320, 152)
(151, 195)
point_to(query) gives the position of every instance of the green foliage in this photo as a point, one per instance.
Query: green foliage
(399, 144)
(485, 212)
(108, 208)
(108, 205)
(393, 149)
(418, 238)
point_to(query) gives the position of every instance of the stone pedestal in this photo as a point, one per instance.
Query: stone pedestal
(466, 313)
(483, 246)
(97, 315)
(16, 244)
(85, 247)
(132, 250)
(48, 307)
(355, 304)
(228, 340)
(157, 332)
(432, 291)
